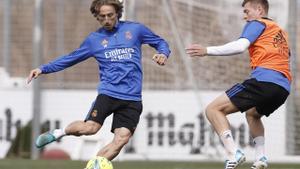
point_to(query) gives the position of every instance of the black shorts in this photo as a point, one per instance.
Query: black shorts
(125, 113)
(265, 96)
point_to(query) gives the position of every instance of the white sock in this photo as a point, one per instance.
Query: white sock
(58, 133)
(229, 144)
(259, 146)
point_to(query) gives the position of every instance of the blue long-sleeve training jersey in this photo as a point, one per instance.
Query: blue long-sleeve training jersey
(119, 58)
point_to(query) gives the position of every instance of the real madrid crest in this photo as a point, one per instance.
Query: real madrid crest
(94, 113)
(104, 43)
(128, 35)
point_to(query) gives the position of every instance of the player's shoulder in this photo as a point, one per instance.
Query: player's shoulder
(93, 35)
(97, 33)
(266, 21)
(256, 22)
(127, 22)
(132, 24)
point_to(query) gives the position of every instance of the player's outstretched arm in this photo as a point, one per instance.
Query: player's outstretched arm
(160, 59)
(33, 74)
(228, 49)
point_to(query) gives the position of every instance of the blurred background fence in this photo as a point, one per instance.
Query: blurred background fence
(65, 23)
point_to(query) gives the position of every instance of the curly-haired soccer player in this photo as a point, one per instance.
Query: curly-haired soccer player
(116, 46)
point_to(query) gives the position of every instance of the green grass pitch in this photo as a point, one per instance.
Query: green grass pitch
(62, 164)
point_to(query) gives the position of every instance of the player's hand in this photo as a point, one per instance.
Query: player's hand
(196, 50)
(160, 59)
(33, 74)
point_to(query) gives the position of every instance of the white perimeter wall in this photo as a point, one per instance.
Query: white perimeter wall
(158, 137)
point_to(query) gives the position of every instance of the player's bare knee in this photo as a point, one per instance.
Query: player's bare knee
(208, 111)
(90, 129)
(120, 141)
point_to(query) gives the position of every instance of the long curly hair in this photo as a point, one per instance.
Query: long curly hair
(96, 5)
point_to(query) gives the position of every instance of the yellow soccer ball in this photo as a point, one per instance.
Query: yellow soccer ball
(99, 163)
